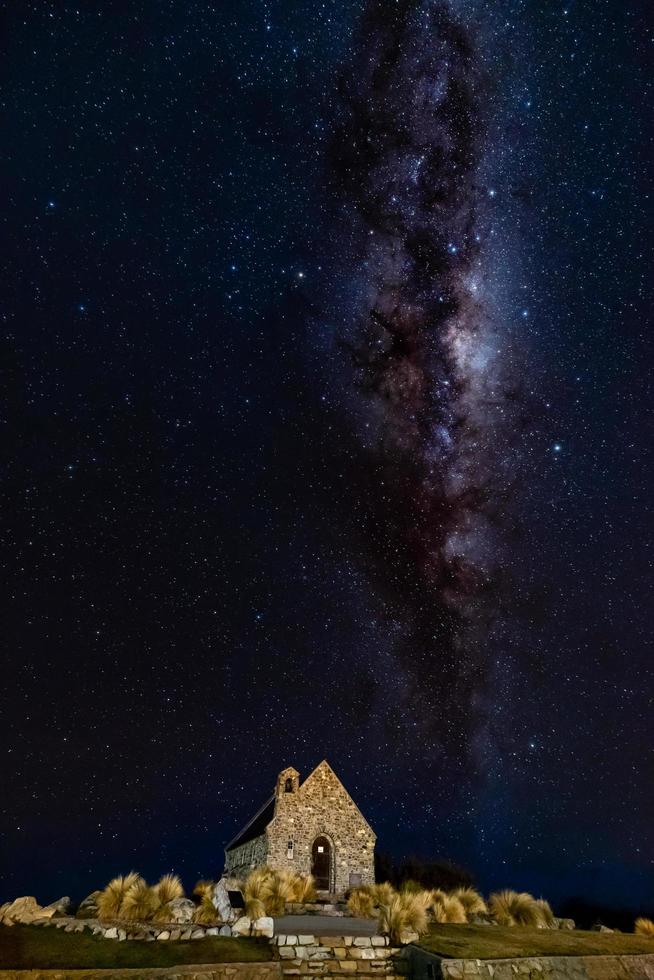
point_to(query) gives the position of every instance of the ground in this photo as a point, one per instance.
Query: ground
(495, 942)
(324, 925)
(27, 947)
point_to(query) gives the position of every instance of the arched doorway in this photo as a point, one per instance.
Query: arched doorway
(321, 863)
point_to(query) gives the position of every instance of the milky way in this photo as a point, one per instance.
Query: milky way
(430, 398)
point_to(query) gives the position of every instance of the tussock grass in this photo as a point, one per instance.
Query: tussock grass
(446, 907)
(644, 927)
(361, 903)
(140, 902)
(406, 912)
(202, 887)
(168, 888)
(547, 916)
(267, 892)
(510, 908)
(110, 900)
(206, 913)
(472, 901)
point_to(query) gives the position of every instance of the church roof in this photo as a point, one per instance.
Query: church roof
(256, 826)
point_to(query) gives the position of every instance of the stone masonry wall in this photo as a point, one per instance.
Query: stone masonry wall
(321, 806)
(241, 860)
(329, 957)
(551, 968)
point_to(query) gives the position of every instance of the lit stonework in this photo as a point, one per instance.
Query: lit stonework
(312, 827)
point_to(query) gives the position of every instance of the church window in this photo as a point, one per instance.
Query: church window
(288, 785)
(289, 850)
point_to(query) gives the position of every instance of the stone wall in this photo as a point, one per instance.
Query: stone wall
(545, 968)
(211, 971)
(321, 806)
(327, 957)
(240, 861)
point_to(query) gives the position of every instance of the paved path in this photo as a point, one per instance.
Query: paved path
(324, 925)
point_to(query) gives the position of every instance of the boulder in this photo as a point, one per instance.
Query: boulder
(181, 910)
(242, 926)
(263, 927)
(59, 908)
(220, 899)
(225, 931)
(25, 910)
(88, 909)
(111, 933)
(566, 924)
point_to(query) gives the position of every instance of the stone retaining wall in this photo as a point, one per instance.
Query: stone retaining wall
(211, 971)
(337, 956)
(551, 968)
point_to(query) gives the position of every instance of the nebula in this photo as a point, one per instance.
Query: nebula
(426, 386)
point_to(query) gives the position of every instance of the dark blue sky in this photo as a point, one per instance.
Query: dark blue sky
(214, 529)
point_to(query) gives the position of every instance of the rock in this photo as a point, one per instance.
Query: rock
(214, 931)
(409, 937)
(111, 933)
(186, 934)
(600, 928)
(566, 924)
(197, 934)
(24, 910)
(58, 908)
(181, 910)
(164, 934)
(225, 931)
(175, 933)
(220, 899)
(242, 926)
(88, 909)
(263, 927)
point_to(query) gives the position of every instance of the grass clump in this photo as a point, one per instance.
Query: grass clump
(510, 908)
(361, 902)
(110, 900)
(644, 927)
(267, 892)
(140, 902)
(405, 913)
(446, 907)
(471, 900)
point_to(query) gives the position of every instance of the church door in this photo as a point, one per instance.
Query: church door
(321, 863)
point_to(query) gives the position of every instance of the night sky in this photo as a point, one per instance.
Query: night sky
(327, 432)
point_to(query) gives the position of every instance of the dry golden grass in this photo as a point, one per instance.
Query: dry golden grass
(361, 903)
(168, 888)
(202, 887)
(304, 888)
(446, 907)
(382, 893)
(140, 902)
(472, 901)
(282, 891)
(257, 890)
(644, 927)
(206, 913)
(546, 915)
(406, 912)
(510, 908)
(267, 892)
(111, 899)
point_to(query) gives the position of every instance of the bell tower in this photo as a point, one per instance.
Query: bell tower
(288, 783)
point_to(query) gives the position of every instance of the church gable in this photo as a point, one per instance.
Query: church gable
(311, 827)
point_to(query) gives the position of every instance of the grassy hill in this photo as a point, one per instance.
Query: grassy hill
(33, 947)
(495, 942)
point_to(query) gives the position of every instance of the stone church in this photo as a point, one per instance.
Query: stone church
(312, 827)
